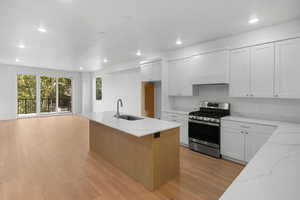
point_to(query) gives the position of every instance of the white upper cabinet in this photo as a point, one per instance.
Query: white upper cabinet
(151, 71)
(211, 68)
(179, 77)
(252, 71)
(287, 70)
(262, 71)
(240, 73)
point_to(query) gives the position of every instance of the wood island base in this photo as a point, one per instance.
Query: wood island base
(151, 160)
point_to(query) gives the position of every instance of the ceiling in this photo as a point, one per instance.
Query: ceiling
(81, 33)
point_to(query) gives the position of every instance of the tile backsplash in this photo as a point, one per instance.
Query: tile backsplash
(264, 108)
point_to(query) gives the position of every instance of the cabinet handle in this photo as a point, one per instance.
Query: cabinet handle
(246, 132)
(275, 95)
(251, 95)
(242, 132)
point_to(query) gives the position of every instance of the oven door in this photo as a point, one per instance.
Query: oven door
(204, 133)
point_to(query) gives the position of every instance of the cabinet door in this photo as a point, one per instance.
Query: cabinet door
(211, 68)
(179, 78)
(254, 141)
(287, 69)
(262, 70)
(184, 138)
(233, 143)
(240, 72)
(181, 119)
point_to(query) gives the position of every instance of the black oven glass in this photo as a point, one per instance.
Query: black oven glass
(204, 132)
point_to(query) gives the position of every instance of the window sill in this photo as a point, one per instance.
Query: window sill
(35, 115)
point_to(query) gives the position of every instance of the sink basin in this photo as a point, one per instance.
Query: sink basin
(129, 117)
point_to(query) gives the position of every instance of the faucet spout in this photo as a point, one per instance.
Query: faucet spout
(119, 102)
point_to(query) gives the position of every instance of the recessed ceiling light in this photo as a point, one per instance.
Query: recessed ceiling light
(105, 60)
(253, 20)
(42, 29)
(138, 53)
(81, 68)
(178, 41)
(21, 46)
(18, 60)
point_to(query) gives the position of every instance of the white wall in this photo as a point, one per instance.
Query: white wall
(8, 93)
(8, 87)
(125, 85)
(87, 92)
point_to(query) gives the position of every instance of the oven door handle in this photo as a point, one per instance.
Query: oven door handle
(206, 123)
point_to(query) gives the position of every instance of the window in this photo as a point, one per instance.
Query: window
(55, 94)
(64, 95)
(26, 94)
(48, 94)
(98, 88)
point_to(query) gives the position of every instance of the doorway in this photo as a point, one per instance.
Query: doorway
(151, 99)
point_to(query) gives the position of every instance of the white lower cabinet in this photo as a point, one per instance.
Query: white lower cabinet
(181, 119)
(241, 141)
(253, 142)
(232, 143)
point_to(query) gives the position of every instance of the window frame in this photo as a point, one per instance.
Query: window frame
(98, 100)
(38, 95)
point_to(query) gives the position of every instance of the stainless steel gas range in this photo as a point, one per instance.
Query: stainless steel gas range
(204, 128)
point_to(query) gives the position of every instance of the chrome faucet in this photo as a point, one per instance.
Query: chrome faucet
(118, 112)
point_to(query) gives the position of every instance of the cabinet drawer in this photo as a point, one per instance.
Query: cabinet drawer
(173, 116)
(254, 128)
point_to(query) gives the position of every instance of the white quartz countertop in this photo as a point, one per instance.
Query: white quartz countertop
(274, 172)
(138, 128)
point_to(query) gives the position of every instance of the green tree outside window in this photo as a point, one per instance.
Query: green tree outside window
(98, 88)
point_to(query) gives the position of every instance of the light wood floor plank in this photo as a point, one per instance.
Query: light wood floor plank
(48, 158)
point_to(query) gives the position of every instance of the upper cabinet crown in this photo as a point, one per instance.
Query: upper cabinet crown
(269, 70)
(151, 71)
(209, 68)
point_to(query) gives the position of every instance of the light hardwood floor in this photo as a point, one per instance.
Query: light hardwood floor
(49, 159)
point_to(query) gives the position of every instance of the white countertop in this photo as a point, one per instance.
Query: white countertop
(274, 172)
(136, 128)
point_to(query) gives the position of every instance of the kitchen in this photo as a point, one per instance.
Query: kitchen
(211, 114)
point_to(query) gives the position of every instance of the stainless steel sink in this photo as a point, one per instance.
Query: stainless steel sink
(129, 117)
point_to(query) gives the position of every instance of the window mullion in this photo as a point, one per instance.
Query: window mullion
(57, 94)
(38, 95)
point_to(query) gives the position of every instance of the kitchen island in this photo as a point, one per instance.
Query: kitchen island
(145, 149)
